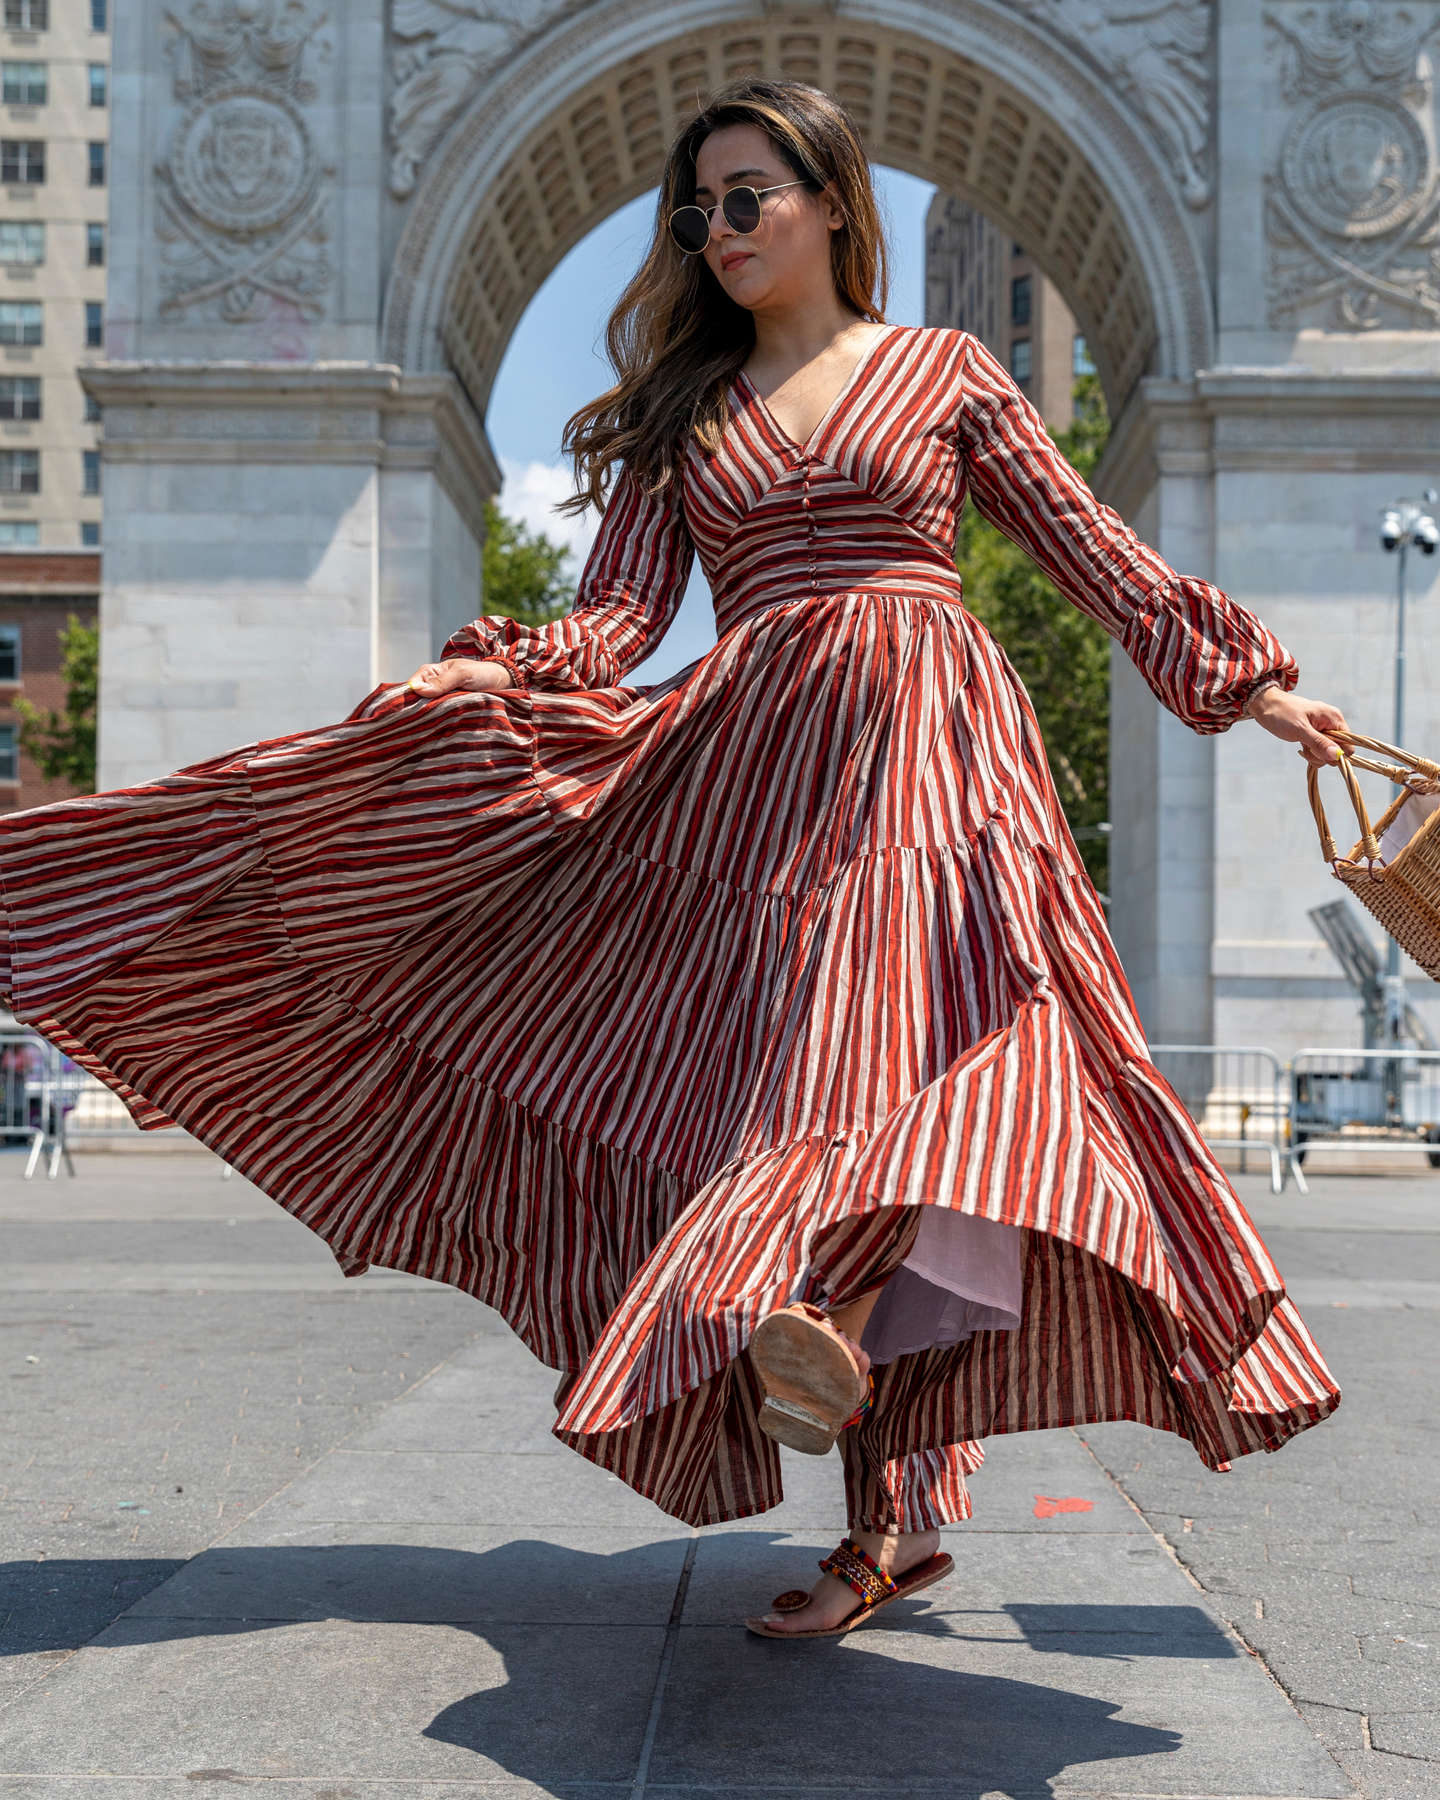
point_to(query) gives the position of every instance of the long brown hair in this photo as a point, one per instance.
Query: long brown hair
(676, 340)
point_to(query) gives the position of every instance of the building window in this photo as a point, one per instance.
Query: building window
(94, 325)
(21, 322)
(27, 15)
(92, 472)
(9, 652)
(1020, 360)
(92, 410)
(99, 15)
(19, 397)
(18, 531)
(24, 84)
(90, 534)
(22, 161)
(22, 243)
(95, 246)
(99, 91)
(1084, 362)
(97, 165)
(19, 471)
(9, 753)
(1020, 301)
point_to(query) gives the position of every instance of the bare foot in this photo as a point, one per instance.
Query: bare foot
(832, 1601)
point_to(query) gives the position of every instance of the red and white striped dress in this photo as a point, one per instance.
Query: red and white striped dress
(639, 1012)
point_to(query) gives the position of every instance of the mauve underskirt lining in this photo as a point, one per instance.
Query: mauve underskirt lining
(962, 1276)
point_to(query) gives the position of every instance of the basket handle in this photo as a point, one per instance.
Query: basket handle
(1328, 847)
(1411, 765)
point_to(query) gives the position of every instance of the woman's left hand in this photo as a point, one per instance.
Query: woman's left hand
(1296, 720)
(460, 675)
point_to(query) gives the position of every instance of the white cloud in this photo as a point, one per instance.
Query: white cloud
(531, 493)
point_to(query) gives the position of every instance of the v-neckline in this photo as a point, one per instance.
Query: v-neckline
(862, 362)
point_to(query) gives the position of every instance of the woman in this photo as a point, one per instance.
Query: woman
(753, 1042)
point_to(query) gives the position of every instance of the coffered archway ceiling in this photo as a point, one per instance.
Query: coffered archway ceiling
(929, 111)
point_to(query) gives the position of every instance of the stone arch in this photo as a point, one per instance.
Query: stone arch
(980, 103)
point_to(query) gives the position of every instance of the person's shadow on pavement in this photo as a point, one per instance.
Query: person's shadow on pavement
(582, 1634)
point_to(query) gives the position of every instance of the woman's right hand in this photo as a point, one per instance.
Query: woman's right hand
(459, 675)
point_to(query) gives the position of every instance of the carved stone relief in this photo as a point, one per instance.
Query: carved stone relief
(244, 188)
(441, 51)
(1353, 214)
(1155, 54)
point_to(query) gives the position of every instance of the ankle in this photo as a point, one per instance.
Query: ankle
(885, 1546)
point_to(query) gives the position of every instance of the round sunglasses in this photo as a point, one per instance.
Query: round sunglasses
(690, 225)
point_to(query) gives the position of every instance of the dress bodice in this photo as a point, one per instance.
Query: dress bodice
(869, 505)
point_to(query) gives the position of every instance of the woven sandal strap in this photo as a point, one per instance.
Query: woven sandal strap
(859, 1571)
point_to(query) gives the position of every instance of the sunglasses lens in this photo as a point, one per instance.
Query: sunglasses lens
(742, 209)
(690, 229)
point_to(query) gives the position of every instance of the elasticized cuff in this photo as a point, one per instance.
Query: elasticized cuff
(517, 675)
(1265, 683)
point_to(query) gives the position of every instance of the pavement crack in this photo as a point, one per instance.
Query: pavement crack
(662, 1677)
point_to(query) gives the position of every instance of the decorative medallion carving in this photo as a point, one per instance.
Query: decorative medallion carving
(1154, 54)
(441, 51)
(1353, 218)
(244, 208)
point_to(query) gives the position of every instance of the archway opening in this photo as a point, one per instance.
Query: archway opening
(927, 111)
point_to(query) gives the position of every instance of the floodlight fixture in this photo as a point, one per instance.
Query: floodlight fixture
(1403, 523)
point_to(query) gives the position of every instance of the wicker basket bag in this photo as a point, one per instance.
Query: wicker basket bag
(1402, 891)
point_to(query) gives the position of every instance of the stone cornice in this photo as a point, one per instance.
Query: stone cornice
(335, 412)
(1286, 418)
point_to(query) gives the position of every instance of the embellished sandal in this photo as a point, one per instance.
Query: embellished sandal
(862, 1573)
(813, 1385)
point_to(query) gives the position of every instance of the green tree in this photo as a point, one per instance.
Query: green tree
(524, 571)
(62, 745)
(1062, 657)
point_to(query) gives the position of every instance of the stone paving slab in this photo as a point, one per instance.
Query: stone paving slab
(328, 1697)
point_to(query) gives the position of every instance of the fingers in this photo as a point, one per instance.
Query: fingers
(429, 679)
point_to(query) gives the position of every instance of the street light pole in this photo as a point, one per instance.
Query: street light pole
(1404, 523)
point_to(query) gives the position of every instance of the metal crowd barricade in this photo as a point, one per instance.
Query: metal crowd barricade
(50, 1102)
(37, 1089)
(1357, 1100)
(25, 1111)
(1236, 1095)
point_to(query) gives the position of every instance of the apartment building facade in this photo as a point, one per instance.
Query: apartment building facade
(54, 192)
(977, 279)
(54, 176)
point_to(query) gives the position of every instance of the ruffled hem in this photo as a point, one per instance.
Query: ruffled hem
(306, 954)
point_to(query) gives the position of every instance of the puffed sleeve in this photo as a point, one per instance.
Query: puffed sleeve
(1202, 655)
(630, 591)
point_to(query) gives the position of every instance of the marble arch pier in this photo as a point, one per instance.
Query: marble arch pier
(327, 220)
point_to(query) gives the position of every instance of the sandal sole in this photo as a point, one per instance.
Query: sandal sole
(811, 1382)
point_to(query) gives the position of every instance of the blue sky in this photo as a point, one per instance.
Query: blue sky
(554, 364)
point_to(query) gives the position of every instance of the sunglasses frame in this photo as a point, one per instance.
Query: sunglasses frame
(709, 212)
